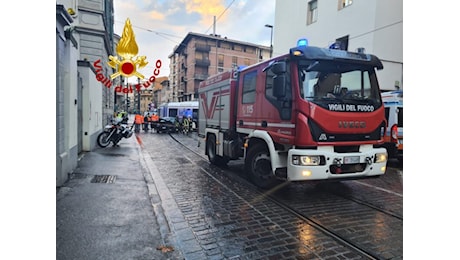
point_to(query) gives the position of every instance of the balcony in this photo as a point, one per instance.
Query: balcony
(202, 47)
(201, 76)
(202, 63)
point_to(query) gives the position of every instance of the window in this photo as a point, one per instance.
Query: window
(234, 61)
(347, 84)
(312, 15)
(249, 49)
(220, 64)
(225, 45)
(400, 116)
(249, 87)
(344, 3)
(283, 105)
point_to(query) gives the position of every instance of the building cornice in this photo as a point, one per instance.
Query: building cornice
(85, 63)
(63, 16)
(192, 35)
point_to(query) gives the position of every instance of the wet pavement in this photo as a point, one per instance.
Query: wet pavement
(151, 198)
(109, 209)
(231, 218)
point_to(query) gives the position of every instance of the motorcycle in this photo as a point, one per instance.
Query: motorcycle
(114, 132)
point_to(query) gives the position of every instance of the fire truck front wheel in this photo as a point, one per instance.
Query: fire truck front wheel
(258, 166)
(211, 151)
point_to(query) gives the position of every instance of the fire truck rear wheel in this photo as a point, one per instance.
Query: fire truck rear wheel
(259, 168)
(211, 150)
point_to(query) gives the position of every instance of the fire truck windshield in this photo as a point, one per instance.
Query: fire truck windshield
(325, 83)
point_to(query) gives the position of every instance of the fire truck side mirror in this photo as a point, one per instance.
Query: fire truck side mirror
(279, 67)
(279, 86)
(279, 80)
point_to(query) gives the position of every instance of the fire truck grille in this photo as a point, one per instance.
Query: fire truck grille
(320, 135)
(346, 149)
(347, 168)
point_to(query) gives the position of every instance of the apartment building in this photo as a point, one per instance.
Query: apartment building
(162, 92)
(199, 56)
(375, 25)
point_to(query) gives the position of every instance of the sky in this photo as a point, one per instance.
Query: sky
(161, 25)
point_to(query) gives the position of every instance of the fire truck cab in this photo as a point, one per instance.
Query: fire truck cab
(310, 114)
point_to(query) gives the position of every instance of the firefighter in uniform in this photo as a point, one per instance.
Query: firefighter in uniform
(153, 119)
(138, 121)
(186, 125)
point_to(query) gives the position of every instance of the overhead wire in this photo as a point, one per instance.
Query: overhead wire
(220, 15)
(164, 35)
(160, 34)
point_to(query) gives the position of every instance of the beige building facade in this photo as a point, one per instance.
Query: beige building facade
(84, 104)
(375, 25)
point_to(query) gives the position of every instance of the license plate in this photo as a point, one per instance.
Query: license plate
(350, 159)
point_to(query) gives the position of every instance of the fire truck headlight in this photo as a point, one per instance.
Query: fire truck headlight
(381, 157)
(305, 160)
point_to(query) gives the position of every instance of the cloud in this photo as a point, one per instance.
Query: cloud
(160, 25)
(207, 9)
(245, 21)
(155, 15)
(183, 19)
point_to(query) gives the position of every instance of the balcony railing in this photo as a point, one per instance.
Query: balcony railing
(201, 76)
(202, 62)
(202, 47)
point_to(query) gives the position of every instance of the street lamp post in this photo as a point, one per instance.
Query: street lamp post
(123, 79)
(271, 38)
(139, 96)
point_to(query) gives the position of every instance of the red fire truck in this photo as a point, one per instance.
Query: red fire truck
(310, 114)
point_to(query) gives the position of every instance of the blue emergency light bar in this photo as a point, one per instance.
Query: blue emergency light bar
(303, 51)
(302, 42)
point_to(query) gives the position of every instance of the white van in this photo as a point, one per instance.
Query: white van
(393, 103)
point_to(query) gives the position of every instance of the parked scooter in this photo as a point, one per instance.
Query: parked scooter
(113, 133)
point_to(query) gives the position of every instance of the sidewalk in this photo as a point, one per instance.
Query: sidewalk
(110, 209)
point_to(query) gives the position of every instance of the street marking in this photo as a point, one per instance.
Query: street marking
(378, 188)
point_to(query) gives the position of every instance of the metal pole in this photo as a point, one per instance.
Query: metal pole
(139, 96)
(123, 79)
(271, 38)
(217, 57)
